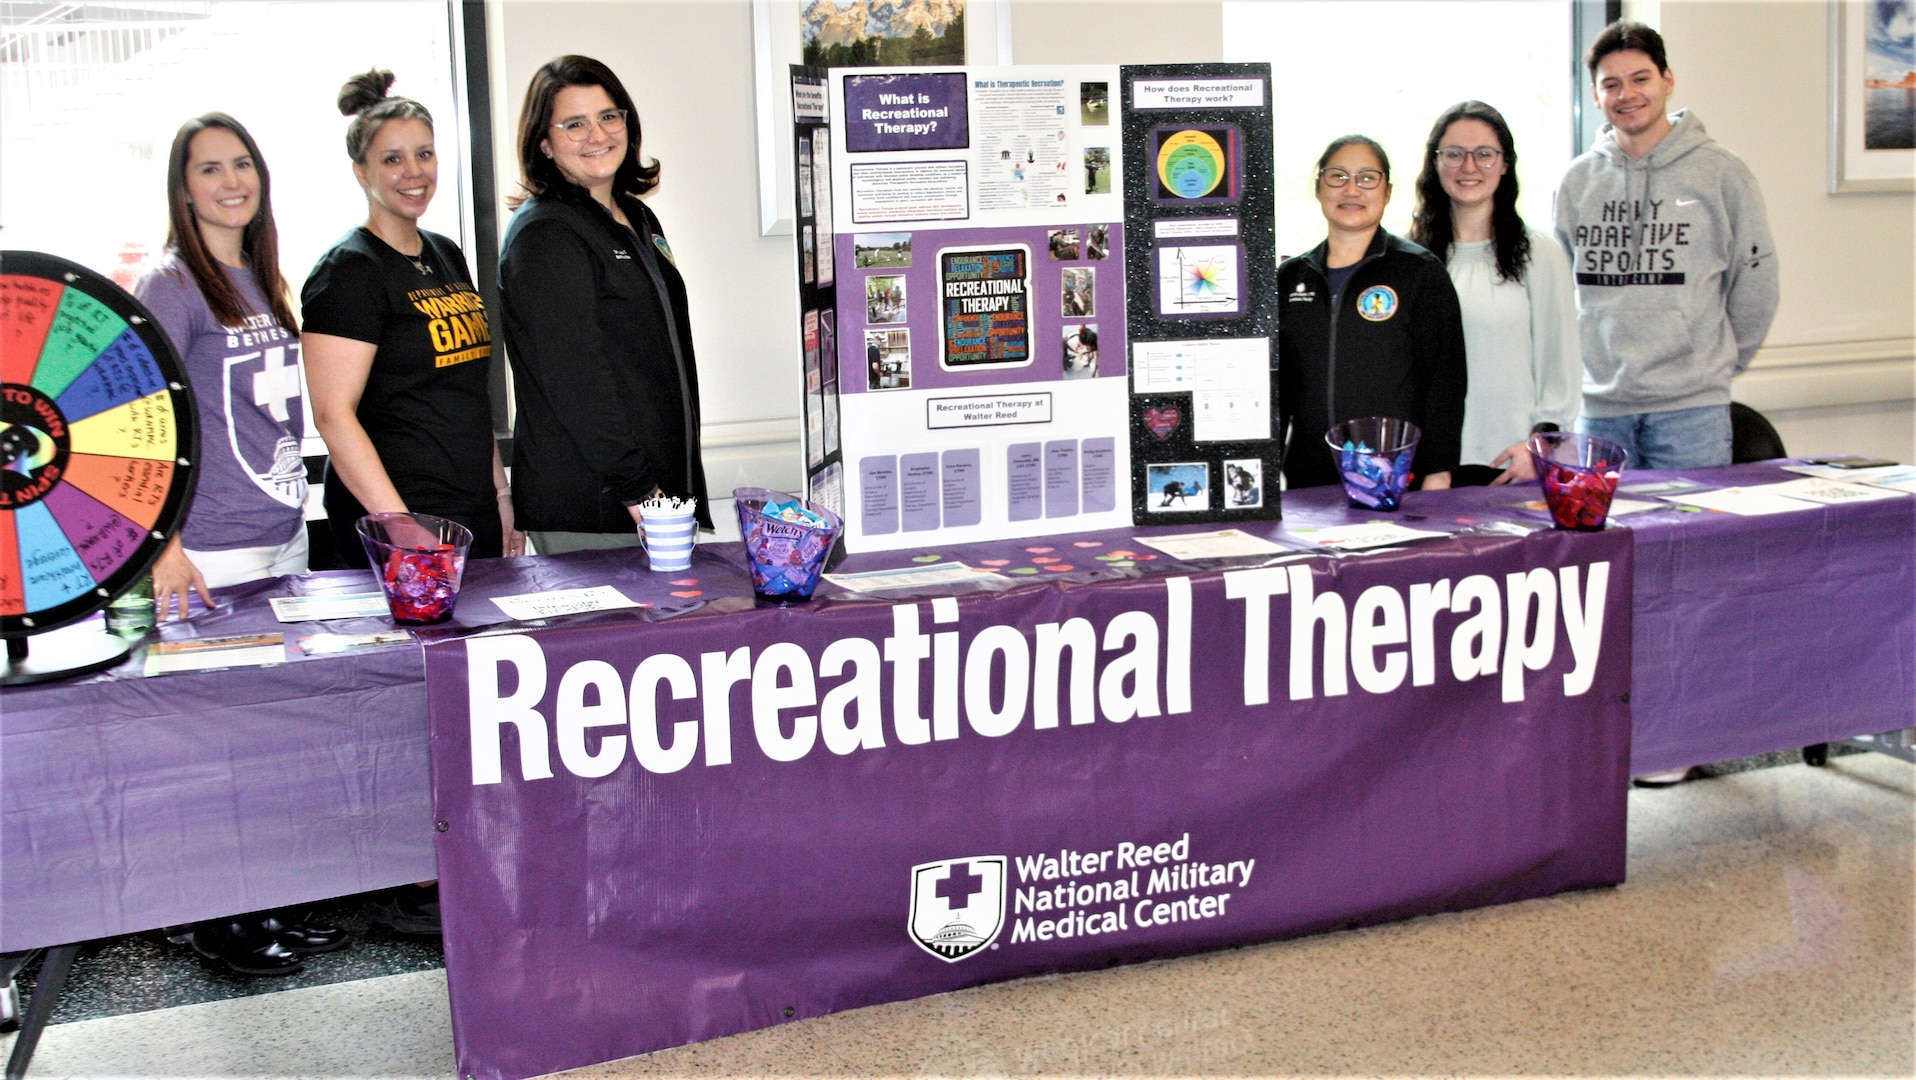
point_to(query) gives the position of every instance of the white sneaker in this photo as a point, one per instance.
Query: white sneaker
(1661, 779)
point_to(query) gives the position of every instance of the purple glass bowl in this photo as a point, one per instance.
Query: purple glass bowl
(1579, 474)
(1373, 456)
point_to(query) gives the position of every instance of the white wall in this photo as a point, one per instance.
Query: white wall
(1838, 373)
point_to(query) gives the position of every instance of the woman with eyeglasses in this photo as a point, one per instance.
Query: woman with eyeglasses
(596, 321)
(397, 344)
(218, 295)
(1513, 282)
(1368, 326)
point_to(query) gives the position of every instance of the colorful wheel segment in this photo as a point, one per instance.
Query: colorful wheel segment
(98, 437)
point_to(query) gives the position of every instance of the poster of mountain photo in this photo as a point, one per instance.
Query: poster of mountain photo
(883, 33)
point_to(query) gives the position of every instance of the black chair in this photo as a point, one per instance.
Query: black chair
(1752, 438)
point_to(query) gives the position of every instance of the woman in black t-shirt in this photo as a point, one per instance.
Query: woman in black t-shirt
(396, 344)
(595, 320)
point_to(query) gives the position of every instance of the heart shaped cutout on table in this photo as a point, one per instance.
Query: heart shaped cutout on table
(1041, 551)
(926, 558)
(1162, 422)
(689, 594)
(994, 562)
(1042, 559)
(1059, 566)
(1025, 570)
(686, 581)
(1088, 543)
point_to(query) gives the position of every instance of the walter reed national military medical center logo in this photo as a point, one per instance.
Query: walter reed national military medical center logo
(958, 906)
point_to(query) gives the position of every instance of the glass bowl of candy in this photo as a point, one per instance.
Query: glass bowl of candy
(787, 540)
(1579, 474)
(1373, 456)
(418, 560)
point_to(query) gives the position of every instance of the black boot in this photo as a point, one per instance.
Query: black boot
(302, 934)
(244, 945)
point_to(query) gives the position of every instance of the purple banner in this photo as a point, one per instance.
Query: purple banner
(906, 112)
(659, 833)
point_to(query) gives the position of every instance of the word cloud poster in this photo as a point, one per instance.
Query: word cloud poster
(980, 238)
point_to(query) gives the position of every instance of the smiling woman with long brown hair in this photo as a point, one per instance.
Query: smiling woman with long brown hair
(597, 321)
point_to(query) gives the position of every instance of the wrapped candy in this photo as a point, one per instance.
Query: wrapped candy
(422, 586)
(1374, 459)
(1579, 474)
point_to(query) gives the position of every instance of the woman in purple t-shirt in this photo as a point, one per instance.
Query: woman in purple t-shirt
(219, 297)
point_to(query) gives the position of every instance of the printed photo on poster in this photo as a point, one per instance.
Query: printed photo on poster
(805, 189)
(885, 298)
(985, 295)
(1199, 281)
(881, 251)
(859, 33)
(1079, 292)
(1171, 489)
(1196, 165)
(1080, 350)
(1064, 245)
(1097, 170)
(1243, 484)
(822, 201)
(1097, 242)
(888, 360)
(807, 260)
(1094, 104)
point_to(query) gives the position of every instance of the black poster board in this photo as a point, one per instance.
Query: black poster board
(1201, 287)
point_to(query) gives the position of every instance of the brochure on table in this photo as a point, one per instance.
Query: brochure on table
(977, 310)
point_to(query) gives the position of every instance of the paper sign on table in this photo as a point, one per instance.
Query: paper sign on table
(916, 577)
(1748, 502)
(1222, 544)
(548, 605)
(328, 644)
(1368, 534)
(1829, 492)
(205, 654)
(316, 608)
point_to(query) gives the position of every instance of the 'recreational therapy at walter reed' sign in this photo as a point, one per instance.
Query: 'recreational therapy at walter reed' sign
(655, 834)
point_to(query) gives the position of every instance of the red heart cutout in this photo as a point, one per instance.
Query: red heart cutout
(1162, 422)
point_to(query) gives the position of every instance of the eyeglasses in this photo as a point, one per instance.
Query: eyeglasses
(579, 128)
(1337, 178)
(1452, 157)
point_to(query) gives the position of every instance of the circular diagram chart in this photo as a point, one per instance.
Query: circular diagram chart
(97, 442)
(1191, 164)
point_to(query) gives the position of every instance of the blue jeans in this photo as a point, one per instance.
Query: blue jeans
(1681, 439)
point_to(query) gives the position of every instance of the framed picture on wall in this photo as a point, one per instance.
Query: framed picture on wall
(1872, 96)
(778, 40)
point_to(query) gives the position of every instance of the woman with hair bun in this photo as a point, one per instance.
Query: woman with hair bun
(396, 344)
(1513, 282)
(596, 321)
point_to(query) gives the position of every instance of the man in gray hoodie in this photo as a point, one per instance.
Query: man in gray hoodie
(1676, 274)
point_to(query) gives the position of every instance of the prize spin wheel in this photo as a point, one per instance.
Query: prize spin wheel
(98, 437)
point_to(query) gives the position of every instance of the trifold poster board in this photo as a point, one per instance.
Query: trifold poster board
(981, 250)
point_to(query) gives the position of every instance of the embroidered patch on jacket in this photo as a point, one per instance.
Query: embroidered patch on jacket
(665, 249)
(1377, 303)
(1302, 293)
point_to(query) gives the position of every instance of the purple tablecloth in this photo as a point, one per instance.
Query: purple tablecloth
(129, 803)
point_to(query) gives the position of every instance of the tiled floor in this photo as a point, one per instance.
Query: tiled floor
(1766, 929)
